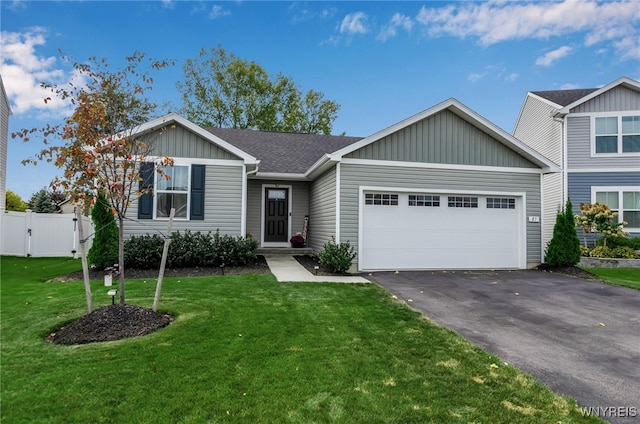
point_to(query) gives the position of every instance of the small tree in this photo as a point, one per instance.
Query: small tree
(104, 250)
(103, 141)
(14, 203)
(598, 218)
(564, 247)
(42, 202)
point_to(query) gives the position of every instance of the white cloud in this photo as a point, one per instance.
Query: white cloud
(550, 57)
(397, 21)
(354, 23)
(497, 21)
(569, 86)
(475, 77)
(512, 77)
(218, 12)
(23, 70)
(168, 4)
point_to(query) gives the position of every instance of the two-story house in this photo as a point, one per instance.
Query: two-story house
(593, 135)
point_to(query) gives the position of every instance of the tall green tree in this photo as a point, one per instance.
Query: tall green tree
(219, 89)
(564, 247)
(101, 146)
(14, 202)
(104, 250)
(42, 202)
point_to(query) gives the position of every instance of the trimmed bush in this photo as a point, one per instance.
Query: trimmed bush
(564, 247)
(189, 250)
(613, 242)
(337, 257)
(104, 250)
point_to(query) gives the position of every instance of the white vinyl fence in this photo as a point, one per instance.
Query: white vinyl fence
(42, 234)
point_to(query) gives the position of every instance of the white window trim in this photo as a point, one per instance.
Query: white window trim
(592, 134)
(620, 190)
(156, 192)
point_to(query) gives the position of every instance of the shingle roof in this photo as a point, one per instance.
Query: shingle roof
(564, 97)
(283, 152)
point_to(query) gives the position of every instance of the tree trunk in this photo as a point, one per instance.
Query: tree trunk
(121, 258)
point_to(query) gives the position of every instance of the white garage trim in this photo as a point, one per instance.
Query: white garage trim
(520, 233)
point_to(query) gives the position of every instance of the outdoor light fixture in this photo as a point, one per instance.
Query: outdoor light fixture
(316, 268)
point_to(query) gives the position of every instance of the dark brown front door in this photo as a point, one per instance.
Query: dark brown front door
(276, 220)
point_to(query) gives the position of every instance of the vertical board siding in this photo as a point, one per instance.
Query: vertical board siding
(222, 206)
(180, 142)
(442, 138)
(353, 176)
(322, 210)
(537, 128)
(580, 184)
(579, 148)
(618, 98)
(254, 208)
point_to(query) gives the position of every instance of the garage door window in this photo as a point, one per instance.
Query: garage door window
(462, 202)
(501, 203)
(385, 199)
(424, 200)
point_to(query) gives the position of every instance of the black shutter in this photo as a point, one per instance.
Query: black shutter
(145, 202)
(197, 191)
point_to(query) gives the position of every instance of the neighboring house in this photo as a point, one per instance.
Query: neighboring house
(5, 112)
(594, 136)
(443, 189)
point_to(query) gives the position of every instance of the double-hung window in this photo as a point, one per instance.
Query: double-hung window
(624, 200)
(180, 186)
(617, 134)
(172, 191)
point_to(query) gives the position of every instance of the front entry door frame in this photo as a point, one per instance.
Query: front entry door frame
(289, 189)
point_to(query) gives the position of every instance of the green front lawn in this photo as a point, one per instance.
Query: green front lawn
(627, 277)
(247, 349)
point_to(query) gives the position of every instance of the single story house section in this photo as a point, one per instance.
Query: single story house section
(443, 189)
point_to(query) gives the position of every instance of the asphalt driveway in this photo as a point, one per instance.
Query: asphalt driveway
(579, 337)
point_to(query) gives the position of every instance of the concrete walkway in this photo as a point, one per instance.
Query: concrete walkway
(287, 269)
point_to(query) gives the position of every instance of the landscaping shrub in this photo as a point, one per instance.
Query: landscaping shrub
(143, 252)
(104, 250)
(613, 242)
(336, 257)
(190, 249)
(621, 252)
(564, 247)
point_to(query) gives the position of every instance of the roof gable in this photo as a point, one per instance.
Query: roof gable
(624, 82)
(462, 112)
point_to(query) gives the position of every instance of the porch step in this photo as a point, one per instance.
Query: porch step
(284, 250)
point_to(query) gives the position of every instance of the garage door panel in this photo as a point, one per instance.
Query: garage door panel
(427, 237)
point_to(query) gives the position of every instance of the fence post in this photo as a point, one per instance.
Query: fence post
(27, 222)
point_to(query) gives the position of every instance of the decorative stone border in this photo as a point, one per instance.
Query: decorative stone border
(586, 262)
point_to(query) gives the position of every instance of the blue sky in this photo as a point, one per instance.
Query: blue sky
(381, 61)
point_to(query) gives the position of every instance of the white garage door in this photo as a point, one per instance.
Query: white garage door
(440, 231)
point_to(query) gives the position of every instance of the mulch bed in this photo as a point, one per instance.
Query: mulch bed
(113, 322)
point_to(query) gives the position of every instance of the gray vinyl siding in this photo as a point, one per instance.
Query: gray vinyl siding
(442, 138)
(537, 128)
(180, 142)
(579, 148)
(299, 205)
(322, 210)
(580, 184)
(353, 176)
(223, 207)
(618, 98)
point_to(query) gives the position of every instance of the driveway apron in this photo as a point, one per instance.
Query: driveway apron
(579, 337)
